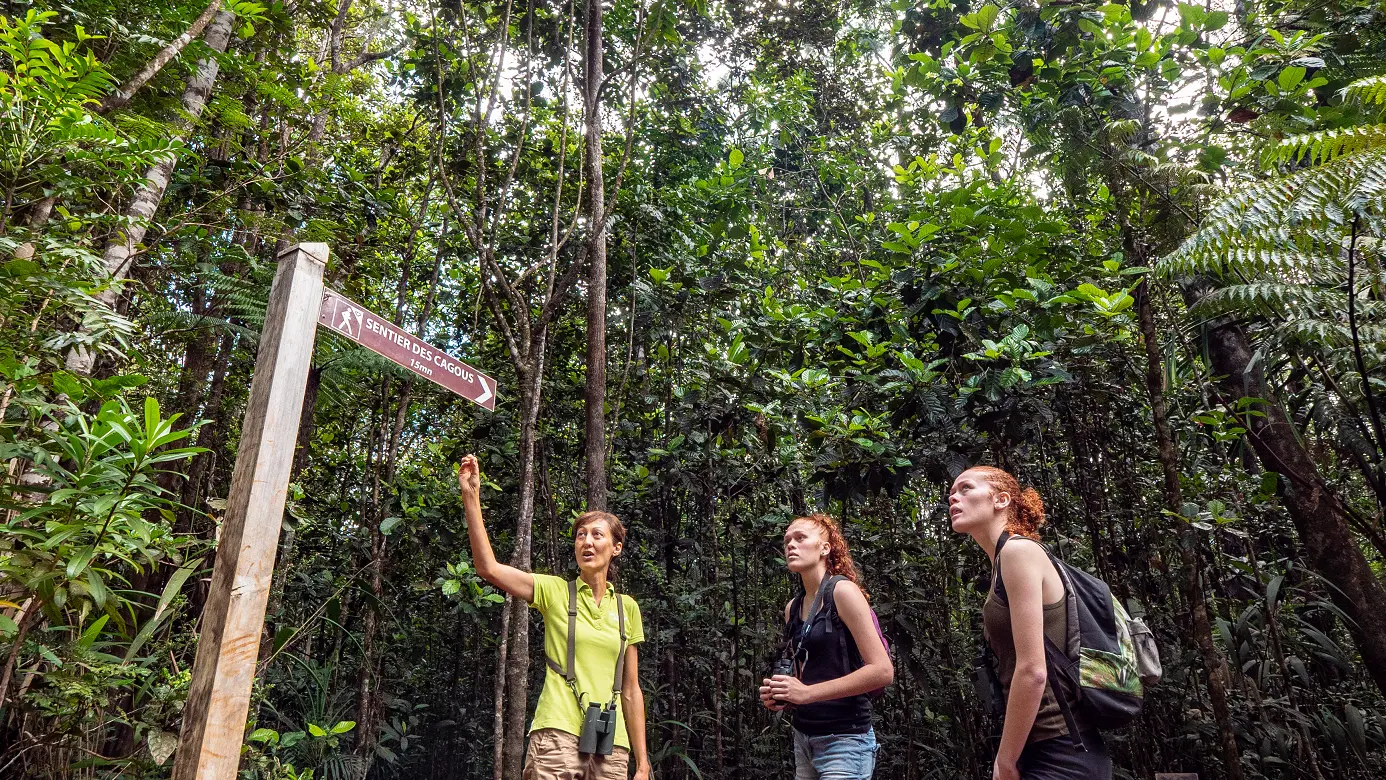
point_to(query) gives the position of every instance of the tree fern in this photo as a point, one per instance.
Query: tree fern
(1280, 248)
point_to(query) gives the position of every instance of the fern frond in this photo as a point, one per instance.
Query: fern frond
(1122, 130)
(1369, 193)
(1263, 298)
(1327, 145)
(1369, 90)
(1330, 334)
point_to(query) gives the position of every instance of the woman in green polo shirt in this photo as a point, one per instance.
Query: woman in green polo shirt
(591, 660)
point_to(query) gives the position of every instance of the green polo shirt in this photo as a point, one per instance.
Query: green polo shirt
(598, 641)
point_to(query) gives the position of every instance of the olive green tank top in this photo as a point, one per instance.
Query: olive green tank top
(996, 629)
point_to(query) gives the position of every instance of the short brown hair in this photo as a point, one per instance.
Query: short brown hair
(613, 524)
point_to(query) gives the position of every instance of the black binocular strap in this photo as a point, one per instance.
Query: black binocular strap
(826, 585)
(569, 671)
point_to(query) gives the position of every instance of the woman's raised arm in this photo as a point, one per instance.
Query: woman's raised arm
(517, 582)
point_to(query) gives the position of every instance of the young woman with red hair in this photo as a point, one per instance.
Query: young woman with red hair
(838, 657)
(1019, 613)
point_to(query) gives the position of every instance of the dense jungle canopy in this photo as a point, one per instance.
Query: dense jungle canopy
(730, 262)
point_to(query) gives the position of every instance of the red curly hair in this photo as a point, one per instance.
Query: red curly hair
(1025, 515)
(839, 557)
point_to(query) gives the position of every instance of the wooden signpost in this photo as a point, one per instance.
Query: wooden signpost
(214, 718)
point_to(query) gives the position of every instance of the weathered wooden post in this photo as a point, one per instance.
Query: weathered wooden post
(209, 747)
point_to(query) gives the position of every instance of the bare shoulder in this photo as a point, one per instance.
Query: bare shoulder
(847, 588)
(1024, 552)
(848, 594)
(787, 607)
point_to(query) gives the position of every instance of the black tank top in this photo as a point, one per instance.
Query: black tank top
(828, 652)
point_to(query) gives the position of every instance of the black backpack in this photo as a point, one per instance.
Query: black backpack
(1108, 657)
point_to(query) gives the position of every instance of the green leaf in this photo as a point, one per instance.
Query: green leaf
(316, 730)
(344, 726)
(1357, 729)
(982, 19)
(16, 269)
(388, 524)
(735, 158)
(1290, 77)
(1273, 590)
(93, 631)
(69, 385)
(265, 735)
(96, 588)
(79, 562)
(282, 637)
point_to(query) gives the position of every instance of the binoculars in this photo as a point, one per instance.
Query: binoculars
(598, 729)
(783, 666)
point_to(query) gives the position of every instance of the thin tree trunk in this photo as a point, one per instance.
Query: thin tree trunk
(1219, 679)
(119, 251)
(1319, 515)
(122, 94)
(370, 616)
(498, 735)
(595, 398)
(306, 422)
(517, 669)
(24, 619)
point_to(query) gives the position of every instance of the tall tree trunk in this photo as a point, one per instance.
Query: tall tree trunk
(1319, 515)
(1219, 679)
(150, 194)
(595, 399)
(122, 94)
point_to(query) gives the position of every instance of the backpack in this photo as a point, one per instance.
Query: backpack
(824, 605)
(1108, 657)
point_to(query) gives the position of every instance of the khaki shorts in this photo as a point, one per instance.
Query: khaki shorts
(553, 755)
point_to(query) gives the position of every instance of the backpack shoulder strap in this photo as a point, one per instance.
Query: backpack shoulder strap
(823, 597)
(1074, 639)
(834, 618)
(830, 603)
(796, 639)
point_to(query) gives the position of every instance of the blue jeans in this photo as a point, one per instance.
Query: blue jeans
(835, 756)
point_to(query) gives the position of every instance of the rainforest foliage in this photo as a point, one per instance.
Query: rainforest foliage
(730, 262)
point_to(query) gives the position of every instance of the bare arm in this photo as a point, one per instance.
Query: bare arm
(516, 582)
(877, 670)
(633, 707)
(1025, 566)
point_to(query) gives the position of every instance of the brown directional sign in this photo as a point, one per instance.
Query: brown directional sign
(347, 318)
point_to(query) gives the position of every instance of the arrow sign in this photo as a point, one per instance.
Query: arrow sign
(345, 317)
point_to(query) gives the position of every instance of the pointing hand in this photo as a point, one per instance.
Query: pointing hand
(469, 476)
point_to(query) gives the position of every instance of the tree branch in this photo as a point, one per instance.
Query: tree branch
(125, 92)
